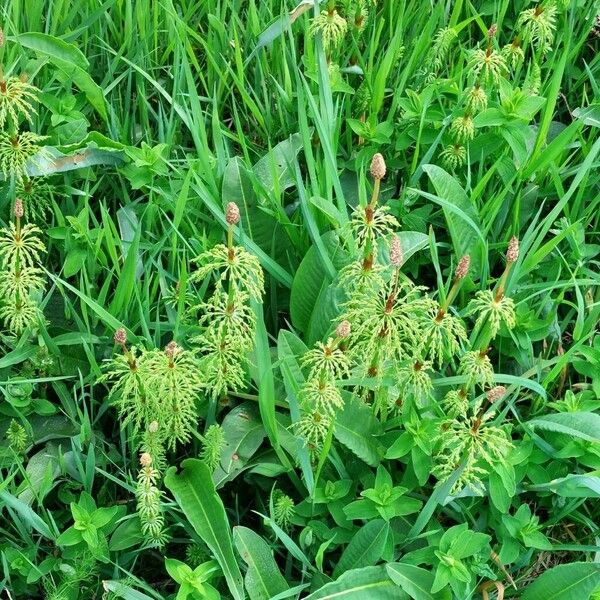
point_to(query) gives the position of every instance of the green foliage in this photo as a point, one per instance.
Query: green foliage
(348, 257)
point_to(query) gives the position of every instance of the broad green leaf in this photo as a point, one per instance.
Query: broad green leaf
(281, 25)
(274, 169)
(328, 307)
(194, 491)
(583, 425)
(53, 47)
(266, 384)
(461, 214)
(590, 115)
(357, 428)
(55, 161)
(16, 356)
(415, 581)
(574, 485)
(370, 583)
(573, 581)
(42, 469)
(263, 579)
(257, 223)
(311, 279)
(365, 548)
(122, 590)
(71, 61)
(126, 535)
(243, 433)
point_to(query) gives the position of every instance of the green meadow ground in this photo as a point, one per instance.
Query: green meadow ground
(299, 300)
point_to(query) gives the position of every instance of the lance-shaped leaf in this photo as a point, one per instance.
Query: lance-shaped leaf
(194, 491)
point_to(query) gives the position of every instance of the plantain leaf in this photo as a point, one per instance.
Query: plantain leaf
(274, 170)
(194, 491)
(415, 581)
(71, 61)
(263, 579)
(257, 223)
(243, 434)
(461, 214)
(365, 548)
(122, 590)
(583, 425)
(281, 25)
(573, 581)
(357, 429)
(54, 160)
(312, 280)
(266, 383)
(53, 47)
(575, 485)
(370, 583)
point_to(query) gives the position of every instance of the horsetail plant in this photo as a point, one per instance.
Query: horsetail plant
(149, 504)
(474, 440)
(155, 390)
(212, 445)
(470, 442)
(320, 397)
(21, 278)
(17, 147)
(227, 319)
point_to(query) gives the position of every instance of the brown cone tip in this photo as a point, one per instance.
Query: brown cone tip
(153, 427)
(232, 214)
(343, 329)
(396, 253)
(120, 336)
(145, 459)
(172, 349)
(19, 212)
(462, 269)
(495, 393)
(1, 37)
(512, 254)
(378, 168)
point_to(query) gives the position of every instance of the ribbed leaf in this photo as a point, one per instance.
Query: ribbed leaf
(243, 433)
(369, 583)
(583, 425)
(312, 279)
(461, 214)
(575, 485)
(194, 491)
(357, 429)
(263, 579)
(573, 581)
(415, 581)
(53, 47)
(365, 548)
